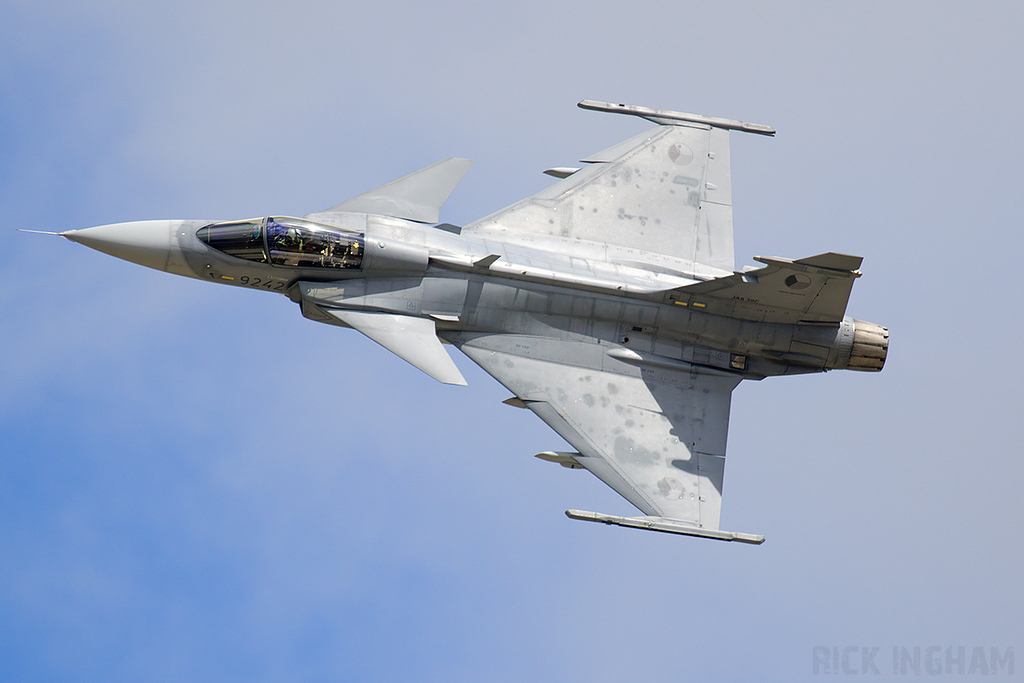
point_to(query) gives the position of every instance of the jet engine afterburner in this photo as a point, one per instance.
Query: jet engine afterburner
(862, 346)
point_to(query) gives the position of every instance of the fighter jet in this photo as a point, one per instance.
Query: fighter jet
(608, 303)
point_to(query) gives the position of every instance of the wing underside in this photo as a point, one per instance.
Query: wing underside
(657, 436)
(666, 191)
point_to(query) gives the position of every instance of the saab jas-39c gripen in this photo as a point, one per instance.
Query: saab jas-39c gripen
(607, 304)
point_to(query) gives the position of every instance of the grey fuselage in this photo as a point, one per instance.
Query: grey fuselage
(471, 286)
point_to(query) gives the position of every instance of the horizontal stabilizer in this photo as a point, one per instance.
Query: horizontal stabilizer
(416, 197)
(815, 289)
(410, 338)
(665, 525)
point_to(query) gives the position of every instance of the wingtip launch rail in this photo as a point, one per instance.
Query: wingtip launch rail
(668, 118)
(665, 525)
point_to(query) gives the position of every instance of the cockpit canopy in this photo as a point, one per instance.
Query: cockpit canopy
(284, 241)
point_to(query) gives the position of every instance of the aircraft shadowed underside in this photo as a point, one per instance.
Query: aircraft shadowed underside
(608, 303)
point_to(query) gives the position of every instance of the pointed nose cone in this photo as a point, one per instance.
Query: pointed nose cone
(148, 243)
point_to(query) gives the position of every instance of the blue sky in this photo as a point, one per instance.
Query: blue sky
(196, 483)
